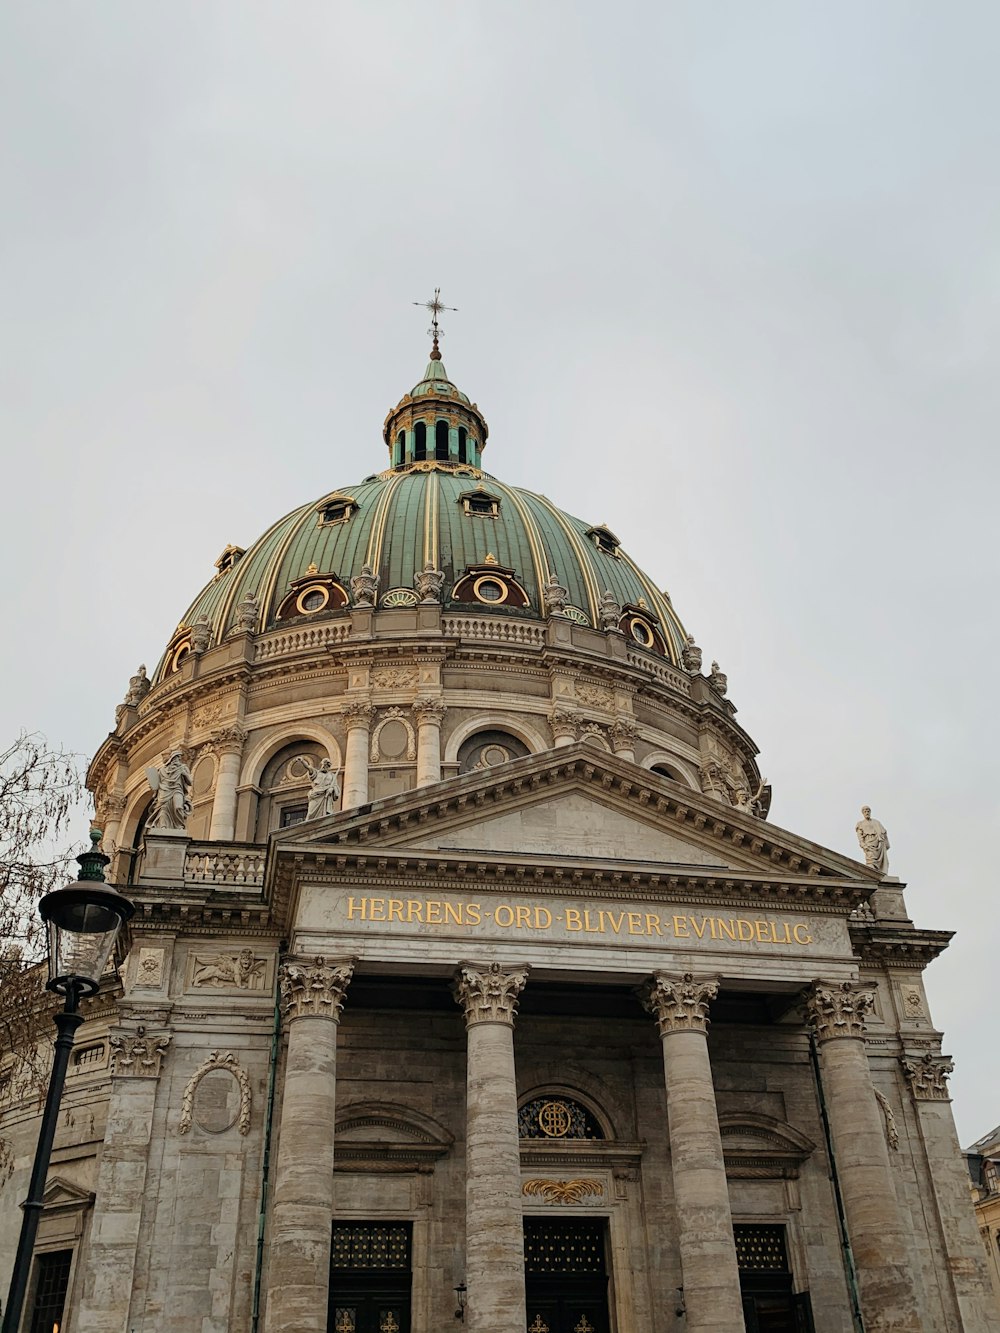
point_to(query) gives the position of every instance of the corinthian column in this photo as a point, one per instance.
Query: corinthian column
(429, 713)
(701, 1195)
(974, 1300)
(312, 996)
(228, 746)
(875, 1223)
(494, 1231)
(565, 726)
(358, 715)
(624, 734)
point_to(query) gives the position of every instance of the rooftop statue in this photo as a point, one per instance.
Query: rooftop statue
(364, 587)
(429, 582)
(172, 784)
(873, 840)
(324, 793)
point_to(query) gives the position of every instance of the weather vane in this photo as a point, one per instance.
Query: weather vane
(435, 331)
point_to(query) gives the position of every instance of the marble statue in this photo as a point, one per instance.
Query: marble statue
(718, 680)
(201, 633)
(554, 596)
(364, 587)
(429, 582)
(248, 613)
(138, 688)
(747, 802)
(873, 840)
(324, 793)
(172, 784)
(611, 612)
(691, 656)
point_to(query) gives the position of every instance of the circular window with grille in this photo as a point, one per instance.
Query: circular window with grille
(489, 589)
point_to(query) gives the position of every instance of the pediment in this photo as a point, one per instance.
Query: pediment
(760, 1147)
(62, 1195)
(574, 805)
(378, 1137)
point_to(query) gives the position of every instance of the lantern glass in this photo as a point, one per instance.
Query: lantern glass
(83, 921)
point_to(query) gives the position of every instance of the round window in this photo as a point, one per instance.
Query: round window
(312, 599)
(641, 632)
(490, 590)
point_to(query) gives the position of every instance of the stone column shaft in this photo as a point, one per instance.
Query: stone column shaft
(494, 1229)
(359, 716)
(875, 1222)
(298, 1272)
(224, 805)
(109, 1275)
(429, 713)
(701, 1195)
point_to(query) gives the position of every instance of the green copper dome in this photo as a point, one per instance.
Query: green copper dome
(496, 546)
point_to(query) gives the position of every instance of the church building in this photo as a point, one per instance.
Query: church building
(469, 985)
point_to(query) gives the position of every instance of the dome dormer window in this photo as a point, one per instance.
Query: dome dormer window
(311, 595)
(336, 509)
(604, 539)
(480, 503)
(228, 559)
(643, 629)
(490, 584)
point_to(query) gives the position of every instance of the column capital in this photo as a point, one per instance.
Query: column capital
(837, 1009)
(565, 722)
(226, 740)
(358, 713)
(679, 1004)
(488, 993)
(624, 733)
(429, 709)
(314, 989)
(136, 1053)
(927, 1076)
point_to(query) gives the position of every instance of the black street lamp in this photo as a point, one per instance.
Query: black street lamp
(83, 921)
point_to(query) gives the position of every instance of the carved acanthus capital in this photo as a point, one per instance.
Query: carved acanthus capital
(565, 722)
(838, 1010)
(314, 989)
(488, 994)
(679, 1004)
(928, 1077)
(136, 1053)
(429, 710)
(227, 740)
(624, 733)
(358, 713)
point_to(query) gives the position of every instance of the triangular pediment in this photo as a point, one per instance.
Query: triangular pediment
(61, 1195)
(578, 806)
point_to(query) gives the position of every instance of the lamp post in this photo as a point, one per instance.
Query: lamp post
(83, 921)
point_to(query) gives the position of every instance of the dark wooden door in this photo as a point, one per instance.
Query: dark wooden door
(565, 1305)
(370, 1308)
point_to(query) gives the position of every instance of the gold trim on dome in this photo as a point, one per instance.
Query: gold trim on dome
(432, 465)
(310, 588)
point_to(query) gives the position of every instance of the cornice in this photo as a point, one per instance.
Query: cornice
(898, 946)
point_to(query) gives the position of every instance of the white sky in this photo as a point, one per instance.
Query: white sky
(728, 277)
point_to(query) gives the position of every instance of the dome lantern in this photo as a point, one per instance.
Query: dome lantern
(435, 422)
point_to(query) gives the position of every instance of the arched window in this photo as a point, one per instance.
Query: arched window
(557, 1117)
(284, 787)
(441, 441)
(462, 437)
(420, 441)
(487, 749)
(666, 772)
(401, 446)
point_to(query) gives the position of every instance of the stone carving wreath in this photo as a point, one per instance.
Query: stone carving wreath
(227, 1064)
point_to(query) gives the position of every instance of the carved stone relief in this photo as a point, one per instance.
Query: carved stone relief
(149, 968)
(207, 1100)
(913, 1002)
(230, 970)
(394, 678)
(406, 744)
(562, 1191)
(891, 1132)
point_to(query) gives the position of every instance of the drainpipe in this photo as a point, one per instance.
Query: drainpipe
(845, 1240)
(265, 1165)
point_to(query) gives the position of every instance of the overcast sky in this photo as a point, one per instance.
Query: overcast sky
(728, 281)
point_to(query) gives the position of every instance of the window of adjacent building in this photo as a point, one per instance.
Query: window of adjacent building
(420, 440)
(51, 1286)
(441, 441)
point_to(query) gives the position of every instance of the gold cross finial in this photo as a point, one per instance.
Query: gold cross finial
(435, 331)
